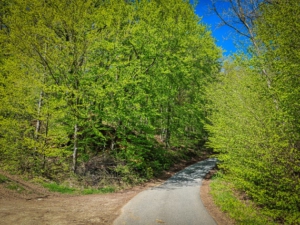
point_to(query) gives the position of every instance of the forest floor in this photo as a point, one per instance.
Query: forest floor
(32, 204)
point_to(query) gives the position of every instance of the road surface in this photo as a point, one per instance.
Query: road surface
(175, 202)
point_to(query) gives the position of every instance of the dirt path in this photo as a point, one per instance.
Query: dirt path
(90, 209)
(36, 205)
(32, 204)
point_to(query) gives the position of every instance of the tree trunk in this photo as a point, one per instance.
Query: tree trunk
(168, 130)
(75, 149)
(38, 122)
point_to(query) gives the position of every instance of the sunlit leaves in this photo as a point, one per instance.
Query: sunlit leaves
(254, 115)
(104, 77)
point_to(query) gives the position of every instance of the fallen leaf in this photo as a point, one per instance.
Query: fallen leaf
(159, 221)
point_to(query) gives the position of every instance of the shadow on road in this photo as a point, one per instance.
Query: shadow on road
(190, 176)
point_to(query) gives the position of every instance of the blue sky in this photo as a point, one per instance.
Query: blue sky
(223, 35)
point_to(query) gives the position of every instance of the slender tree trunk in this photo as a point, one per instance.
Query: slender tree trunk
(162, 130)
(40, 103)
(36, 133)
(75, 138)
(45, 140)
(75, 148)
(38, 122)
(168, 130)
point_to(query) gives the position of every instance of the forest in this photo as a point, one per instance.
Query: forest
(254, 110)
(113, 91)
(95, 83)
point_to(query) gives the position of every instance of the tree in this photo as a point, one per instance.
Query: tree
(108, 76)
(240, 15)
(253, 121)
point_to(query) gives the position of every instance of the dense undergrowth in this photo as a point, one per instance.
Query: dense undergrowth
(102, 175)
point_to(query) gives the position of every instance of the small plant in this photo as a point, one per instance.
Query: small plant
(3, 179)
(15, 187)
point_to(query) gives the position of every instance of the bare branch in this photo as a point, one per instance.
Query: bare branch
(240, 16)
(227, 23)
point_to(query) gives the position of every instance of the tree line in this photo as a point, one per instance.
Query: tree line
(254, 109)
(101, 78)
(125, 81)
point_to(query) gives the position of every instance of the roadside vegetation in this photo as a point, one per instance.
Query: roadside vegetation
(236, 204)
(10, 184)
(105, 93)
(254, 120)
(102, 94)
(54, 187)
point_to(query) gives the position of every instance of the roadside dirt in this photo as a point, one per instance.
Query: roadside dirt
(36, 205)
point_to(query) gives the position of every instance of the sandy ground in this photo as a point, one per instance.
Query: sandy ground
(36, 205)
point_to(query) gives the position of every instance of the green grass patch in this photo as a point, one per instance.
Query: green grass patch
(98, 191)
(242, 211)
(67, 190)
(3, 179)
(15, 187)
(59, 188)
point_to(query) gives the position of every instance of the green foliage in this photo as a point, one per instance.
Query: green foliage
(3, 179)
(103, 190)
(67, 190)
(15, 187)
(59, 188)
(247, 130)
(86, 79)
(142, 156)
(11, 185)
(254, 116)
(241, 211)
(75, 189)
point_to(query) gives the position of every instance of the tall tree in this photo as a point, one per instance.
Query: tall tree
(253, 120)
(109, 76)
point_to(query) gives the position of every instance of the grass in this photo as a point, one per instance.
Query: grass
(54, 187)
(3, 179)
(243, 212)
(98, 191)
(67, 190)
(15, 187)
(10, 184)
(59, 188)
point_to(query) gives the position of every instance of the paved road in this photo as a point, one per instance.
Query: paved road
(176, 202)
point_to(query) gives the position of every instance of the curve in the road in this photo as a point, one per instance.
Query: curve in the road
(175, 202)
